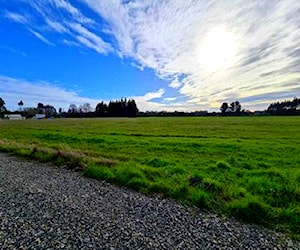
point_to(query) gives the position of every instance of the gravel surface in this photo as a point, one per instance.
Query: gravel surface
(46, 207)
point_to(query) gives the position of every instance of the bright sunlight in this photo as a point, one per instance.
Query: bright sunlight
(218, 50)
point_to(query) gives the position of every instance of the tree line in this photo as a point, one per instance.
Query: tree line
(117, 108)
(128, 108)
(285, 107)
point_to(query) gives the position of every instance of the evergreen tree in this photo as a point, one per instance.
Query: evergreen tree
(101, 109)
(132, 108)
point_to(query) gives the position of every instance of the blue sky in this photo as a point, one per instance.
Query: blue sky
(167, 55)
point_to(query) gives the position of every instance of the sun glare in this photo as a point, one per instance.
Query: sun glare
(217, 51)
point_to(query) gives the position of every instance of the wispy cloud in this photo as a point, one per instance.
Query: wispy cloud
(74, 27)
(8, 48)
(16, 17)
(56, 26)
(147, 103)
(217, 45)
(69, 8)
(12, 89)
(90, 40)
(41, 37)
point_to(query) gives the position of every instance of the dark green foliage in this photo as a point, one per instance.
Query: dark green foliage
(157, 163)
(224, 107)
(2, 107)
(285, 107)
(251, 211)
(205, 183)
(234, 108)
(122, 108)
(48, 110)
(101, 109)
(223, 165)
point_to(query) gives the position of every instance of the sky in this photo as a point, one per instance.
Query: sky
(169, 55)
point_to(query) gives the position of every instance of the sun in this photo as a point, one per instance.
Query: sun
(217, 51)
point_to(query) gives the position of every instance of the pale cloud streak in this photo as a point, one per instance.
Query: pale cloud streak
(16, 17)
(31, 93)
(41, 37)
(56, 26)
(8, 48)
(89, 39)
(74, 27)
(12, 89)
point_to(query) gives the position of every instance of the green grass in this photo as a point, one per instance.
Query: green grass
(245, 167)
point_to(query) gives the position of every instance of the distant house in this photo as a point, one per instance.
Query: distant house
(13, 117)
(39, 116)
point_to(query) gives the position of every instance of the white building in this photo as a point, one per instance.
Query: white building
(39, 116)
(14, 117)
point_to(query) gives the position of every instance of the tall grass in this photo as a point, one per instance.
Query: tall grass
(245, 167)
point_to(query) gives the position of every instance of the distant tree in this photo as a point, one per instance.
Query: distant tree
(122, 108)
(132, 109)
(73, 109)
(20, 104)
(224, 107)
(113, 108)
(2, 107)
(49, 111)
(101, 109)
(235, 107)
(285, 107)
(30, 112)
(60, 110)
(40, 107)
(2, 103)
(232, 107)
(85, 108)
(238, 107)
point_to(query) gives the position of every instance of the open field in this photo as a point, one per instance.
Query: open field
(246, 167)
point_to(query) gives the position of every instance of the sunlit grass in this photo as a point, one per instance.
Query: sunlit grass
(246, 167)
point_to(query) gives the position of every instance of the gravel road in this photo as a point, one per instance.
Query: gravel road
(46, 207)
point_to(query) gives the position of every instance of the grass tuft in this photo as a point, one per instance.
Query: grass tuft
(223, 165)
(157, 163)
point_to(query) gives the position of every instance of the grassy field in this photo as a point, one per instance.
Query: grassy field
(245, 167)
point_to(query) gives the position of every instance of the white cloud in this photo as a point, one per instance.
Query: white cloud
(169, 99)
(16, 17)
(175, 84)
(90, 40)
(146, 103)
(41, 37)
(58, 27)
(70, 43)
(153, 95)
(76, 14)
(12, 90)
